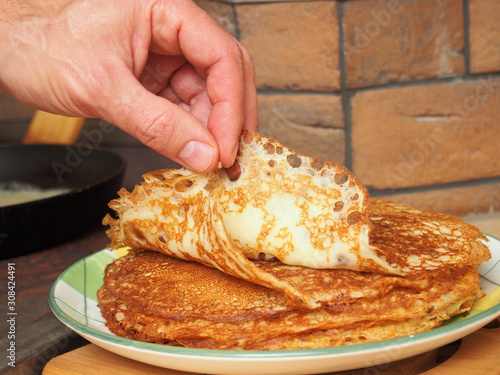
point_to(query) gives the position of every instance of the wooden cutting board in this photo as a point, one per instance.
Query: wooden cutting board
(479, 354)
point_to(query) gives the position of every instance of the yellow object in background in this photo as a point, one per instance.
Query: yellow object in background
(48, 128)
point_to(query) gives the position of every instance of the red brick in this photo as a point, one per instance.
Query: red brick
(484, 36)
(387, 41)
(311, 124)
(221, 12)
(294, 44)
(427, 134)
(303, 109)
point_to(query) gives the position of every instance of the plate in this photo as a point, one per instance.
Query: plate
(73, 300)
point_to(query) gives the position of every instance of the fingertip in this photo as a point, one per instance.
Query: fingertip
(228, 161)
(250, 92)
(234, 152)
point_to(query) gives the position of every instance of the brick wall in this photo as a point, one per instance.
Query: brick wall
(406, 94)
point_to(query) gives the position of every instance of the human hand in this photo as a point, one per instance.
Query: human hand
(163, 71)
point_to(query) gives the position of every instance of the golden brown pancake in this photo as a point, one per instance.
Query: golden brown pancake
(275, 203)
(417, 240)
(280, 251)
(271, 203)
(149, 296)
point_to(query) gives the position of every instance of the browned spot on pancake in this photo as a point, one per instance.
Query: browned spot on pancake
(158, 175)
(234, 171)
(247, 138)
(279, 150)
(294, 160)
(271, 163)
(138, 233)
(353, 218)
(162, 237)
(338, 206)
(269, 147)
(183, 209)
(183, 185)
(318, 164)
(342, 260)
(212, 184)
(340, 178)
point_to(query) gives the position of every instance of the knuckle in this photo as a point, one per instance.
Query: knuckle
(157, 131)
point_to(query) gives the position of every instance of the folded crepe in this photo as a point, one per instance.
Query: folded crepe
(280, 251)
(276, 204)
(149, 296)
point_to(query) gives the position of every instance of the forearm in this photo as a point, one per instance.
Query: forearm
(14, 10)
(40, 62)
(21, 29)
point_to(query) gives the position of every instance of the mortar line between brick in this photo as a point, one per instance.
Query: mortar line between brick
(352, 91)
(435, 187)
(342, 68)
(425, 82)
(275, 91)
(466, 10)
(391, 85)
(236, 23)
(344, 95)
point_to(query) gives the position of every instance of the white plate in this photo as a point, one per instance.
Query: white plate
(73, 300)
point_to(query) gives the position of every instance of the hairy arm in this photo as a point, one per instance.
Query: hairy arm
(163, 71)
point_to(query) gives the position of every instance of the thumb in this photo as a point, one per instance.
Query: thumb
(163, 126)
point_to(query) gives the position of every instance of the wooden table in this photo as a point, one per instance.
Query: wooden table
(39, 335)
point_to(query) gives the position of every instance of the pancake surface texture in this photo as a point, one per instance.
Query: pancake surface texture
(417, 240)
(280, 251)
(274, 203)
(149, 296)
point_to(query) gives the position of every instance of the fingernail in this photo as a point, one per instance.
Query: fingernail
(197, 155)
(234, 152)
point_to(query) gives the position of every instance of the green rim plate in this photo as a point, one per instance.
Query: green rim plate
(73, 300)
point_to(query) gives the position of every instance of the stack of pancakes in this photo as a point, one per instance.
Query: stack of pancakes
(281, 251)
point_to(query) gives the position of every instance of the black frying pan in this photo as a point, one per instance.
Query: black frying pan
(92, 175)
